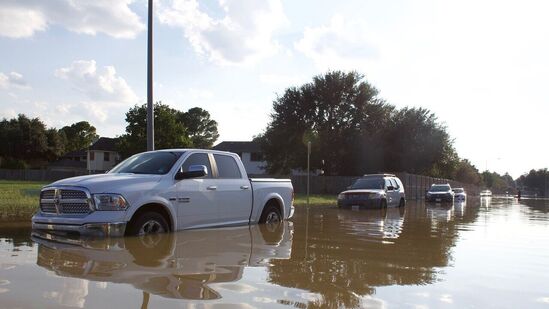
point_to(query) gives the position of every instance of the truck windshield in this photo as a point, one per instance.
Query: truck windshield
(368, 183)
(156, 163)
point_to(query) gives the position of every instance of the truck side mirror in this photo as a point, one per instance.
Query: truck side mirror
(195, 171)
(390, 188)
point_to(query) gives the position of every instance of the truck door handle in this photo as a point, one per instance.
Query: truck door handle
(244, 187)
(212, 188)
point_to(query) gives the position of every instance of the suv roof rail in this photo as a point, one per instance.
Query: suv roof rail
(379, 175)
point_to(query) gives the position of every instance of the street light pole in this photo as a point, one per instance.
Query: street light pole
(150, 109)
(308, 169)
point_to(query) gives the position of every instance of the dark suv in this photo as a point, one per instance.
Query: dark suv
(373, 191)
(439, 193)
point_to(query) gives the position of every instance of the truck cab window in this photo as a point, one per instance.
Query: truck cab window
(198, 159)
(227, 167)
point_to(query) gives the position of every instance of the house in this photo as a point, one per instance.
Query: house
(102, 155)
(74, 161)
(250, 153)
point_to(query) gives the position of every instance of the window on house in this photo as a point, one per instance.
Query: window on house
(107, 156)
(256, 157)
(92, 155)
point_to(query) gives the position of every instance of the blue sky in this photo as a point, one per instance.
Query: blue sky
(481, 66)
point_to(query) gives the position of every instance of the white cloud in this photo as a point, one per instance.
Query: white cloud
(338, 45)
(23, 18)
(243, 35)
(98, 84)
(13, 80)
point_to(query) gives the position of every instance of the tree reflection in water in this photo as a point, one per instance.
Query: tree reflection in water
(346, 253)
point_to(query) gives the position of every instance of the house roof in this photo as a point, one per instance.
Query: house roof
(105, 144)
(250, 146)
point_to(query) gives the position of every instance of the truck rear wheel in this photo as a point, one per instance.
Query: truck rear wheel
(271, 214)
(148, 223)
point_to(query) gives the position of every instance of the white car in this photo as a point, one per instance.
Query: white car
(161, 191)
(459, 194)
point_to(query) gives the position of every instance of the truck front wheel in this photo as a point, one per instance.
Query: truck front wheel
(271, 214)
(148, 223)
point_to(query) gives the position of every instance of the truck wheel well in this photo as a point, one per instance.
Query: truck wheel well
(275, 203)
(153, 208)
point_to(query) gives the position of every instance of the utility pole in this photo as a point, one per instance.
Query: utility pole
(150, 106)
(308, 170)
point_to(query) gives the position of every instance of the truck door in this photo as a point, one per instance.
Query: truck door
(195, 199)
(233, 190)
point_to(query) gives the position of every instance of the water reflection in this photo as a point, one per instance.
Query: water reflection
(344, 260)
(326, 257)
(179, 265)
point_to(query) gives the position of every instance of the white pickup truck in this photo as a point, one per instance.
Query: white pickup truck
(161, 191)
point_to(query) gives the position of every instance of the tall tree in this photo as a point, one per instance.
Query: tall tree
(467, 173)
(79, 135)
(353, 131)
(27, 140)
(201, 128)
(169, 130)
(537, 180)
(329, 111)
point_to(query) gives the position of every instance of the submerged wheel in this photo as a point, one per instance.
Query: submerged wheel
(148, 223)
(271, 215)
(402, 203)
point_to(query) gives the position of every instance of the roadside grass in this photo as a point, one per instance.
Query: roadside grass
(18, 199)
(315, 199)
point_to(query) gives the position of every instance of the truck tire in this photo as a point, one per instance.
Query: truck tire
(402, 203)
(148, 223)
(271, 214)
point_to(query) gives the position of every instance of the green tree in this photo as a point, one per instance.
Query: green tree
(169, 130)
(23, 138)
(353, 131)
(201, 128)
(56, 143)
(537, 180)
(330, 111)
(416, 142)
(467, 173)
(79, 135)
(27, 140)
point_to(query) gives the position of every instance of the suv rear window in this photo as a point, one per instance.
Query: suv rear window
(227, 167)
(440, 188)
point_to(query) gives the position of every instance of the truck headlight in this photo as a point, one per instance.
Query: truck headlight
(109, 201)
(341, 196)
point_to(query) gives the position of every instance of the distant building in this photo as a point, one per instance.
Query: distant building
(249, 152)
(102, 155)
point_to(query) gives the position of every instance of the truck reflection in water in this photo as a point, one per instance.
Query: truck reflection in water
(175, 265)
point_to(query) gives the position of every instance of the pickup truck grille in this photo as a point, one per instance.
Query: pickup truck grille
(65, 201)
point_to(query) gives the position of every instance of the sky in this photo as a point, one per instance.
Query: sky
(480, 66)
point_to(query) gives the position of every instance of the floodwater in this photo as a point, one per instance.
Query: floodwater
(485, 253)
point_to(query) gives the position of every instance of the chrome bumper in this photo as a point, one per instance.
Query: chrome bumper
(115, 229)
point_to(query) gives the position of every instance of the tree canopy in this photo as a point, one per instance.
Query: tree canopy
(172, 129)
(26, 140)
(79, 135)
(537, 180)
(353, 131)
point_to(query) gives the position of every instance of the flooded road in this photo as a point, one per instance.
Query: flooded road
(485, 253)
